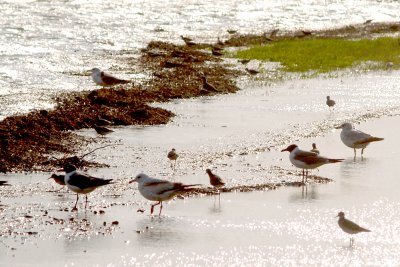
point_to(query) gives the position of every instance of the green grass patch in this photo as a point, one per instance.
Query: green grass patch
(324, 55)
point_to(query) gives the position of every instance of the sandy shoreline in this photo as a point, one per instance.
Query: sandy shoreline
(26, 140)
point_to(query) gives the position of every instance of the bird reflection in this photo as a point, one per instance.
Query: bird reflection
(308, 192)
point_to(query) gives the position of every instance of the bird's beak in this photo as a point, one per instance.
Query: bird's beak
(132, 181)
(284, 150)
(338, 127)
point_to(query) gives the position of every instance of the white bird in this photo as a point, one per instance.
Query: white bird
(355, 139)
(307, 160)
(159, 190)
(330, 102)
(81, 183)
(100, 78)
(173, 156)
(349, 226)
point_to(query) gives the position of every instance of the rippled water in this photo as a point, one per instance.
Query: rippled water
(57, 42)
(292, 226)
(232, 133)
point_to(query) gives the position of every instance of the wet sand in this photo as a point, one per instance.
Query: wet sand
(291, 226)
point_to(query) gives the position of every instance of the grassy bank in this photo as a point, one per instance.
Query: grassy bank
(324, 55)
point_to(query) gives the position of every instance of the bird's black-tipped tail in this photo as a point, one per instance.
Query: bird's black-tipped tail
(369, 140)
(335, 160)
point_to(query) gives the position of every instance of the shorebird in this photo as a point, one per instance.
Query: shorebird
(102, 130)
(232, 31)
(216, 52)
(158, 190)
(173, 156)
(314, 149)
(81, 183)
(215, 181)
(208, 86)
(186, 39)
(59, 179)
(356, 139)
(349, 226)
(251, 71)
(188, 42)
(330, 102)
(100, 78)
(4, 183)
(307, 160)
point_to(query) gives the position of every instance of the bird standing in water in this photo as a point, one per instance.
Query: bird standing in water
(81, 183)
(350, 227)
(356, 139)
(173, 156)
(215, 181)
(159, 190)
(314, 148)
(330, 102)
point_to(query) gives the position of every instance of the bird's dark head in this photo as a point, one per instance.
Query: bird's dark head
(340, 214)
(208, 171)
(69, 168)
(289, 148)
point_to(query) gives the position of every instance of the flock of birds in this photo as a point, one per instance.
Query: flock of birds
(162, 190)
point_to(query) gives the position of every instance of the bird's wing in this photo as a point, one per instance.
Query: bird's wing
(85, 181)
(357, 136)
(354, 227)
(108, 79)
(309, 157)
(219, 179)
(158, 186)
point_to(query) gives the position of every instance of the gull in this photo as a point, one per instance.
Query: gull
(159, 190)
(215, 181)
(102, 130)
(4, 183)
(100, 78)
(349, 226)
(354, 138)
(173, 156)
(330, 102)
(81, 183)
(307, 160)
(314, 149)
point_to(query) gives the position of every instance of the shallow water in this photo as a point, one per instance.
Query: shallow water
(293, 226)
(58, 42)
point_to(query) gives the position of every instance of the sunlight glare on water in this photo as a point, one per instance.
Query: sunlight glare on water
(58, 42)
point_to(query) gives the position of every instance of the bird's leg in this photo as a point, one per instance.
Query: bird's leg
(355, 154)
(362, 153)
(303, 177)
(159, 214)
(152, 207)
(76, 203)
(86, 201)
